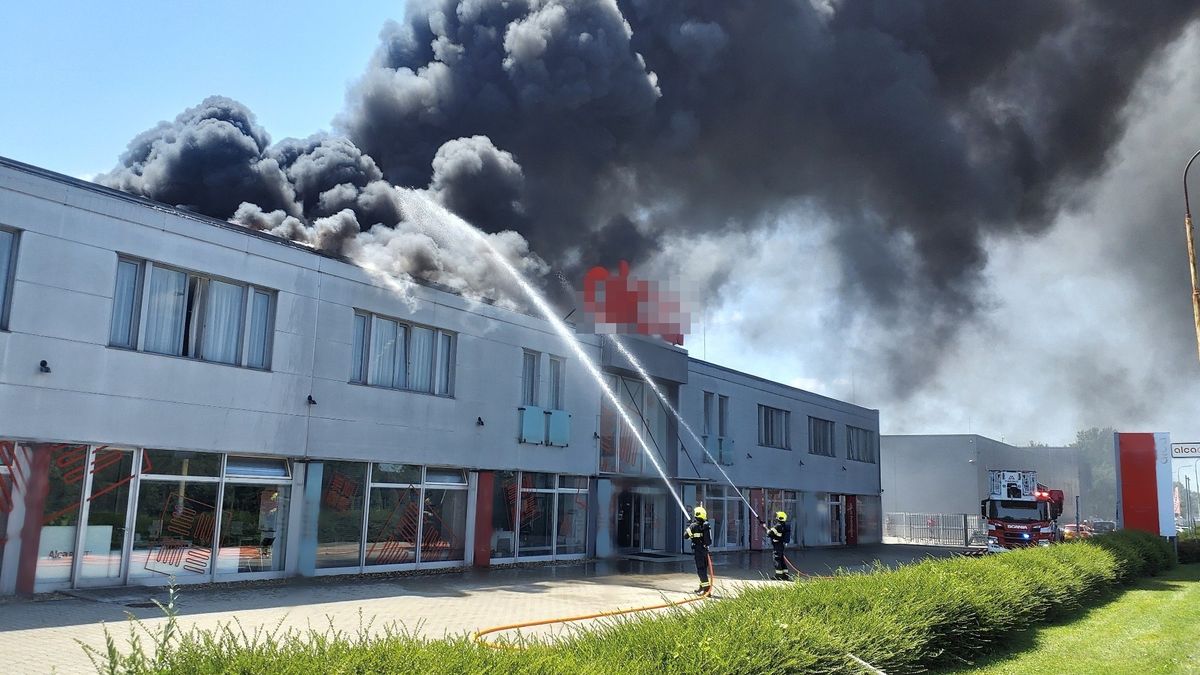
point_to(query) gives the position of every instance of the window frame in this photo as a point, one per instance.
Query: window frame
(193, 326)
(778, 421)
(531, 385)
(10, 276)
(360, 373)
(871, 445)
(556, 391)
(135, 318)
(812, 437)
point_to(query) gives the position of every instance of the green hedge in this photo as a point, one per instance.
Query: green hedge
(929, 614)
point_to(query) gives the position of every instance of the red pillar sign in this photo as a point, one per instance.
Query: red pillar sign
(1144, 481)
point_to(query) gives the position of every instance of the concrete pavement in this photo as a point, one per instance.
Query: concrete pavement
(44, 634)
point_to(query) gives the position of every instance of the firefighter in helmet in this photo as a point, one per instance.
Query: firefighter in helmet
(780, 533)
(699, 532)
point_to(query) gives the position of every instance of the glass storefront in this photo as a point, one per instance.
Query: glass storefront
(388, 514)
(56, 548)
(340, 519)
(786, 501)
(538, 515)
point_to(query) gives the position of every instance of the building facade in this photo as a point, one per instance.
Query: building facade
(184, 398)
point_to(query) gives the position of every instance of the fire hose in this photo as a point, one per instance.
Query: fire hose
(478, 636)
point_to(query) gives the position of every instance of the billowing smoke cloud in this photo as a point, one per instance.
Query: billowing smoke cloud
(915, 132)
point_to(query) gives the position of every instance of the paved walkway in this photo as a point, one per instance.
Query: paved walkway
(44, 634)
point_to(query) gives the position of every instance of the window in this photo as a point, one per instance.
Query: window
(529, 378)
(708, 406)
(556, 383)
(860, 444)
(8, 265)
(773, 427)
(820, 437)
(169, 311)
(396, 355)
(126, 301)
(723, 416)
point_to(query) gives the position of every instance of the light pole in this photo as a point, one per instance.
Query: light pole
(1191, 246)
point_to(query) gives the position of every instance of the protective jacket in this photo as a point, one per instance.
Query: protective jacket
(699, 532)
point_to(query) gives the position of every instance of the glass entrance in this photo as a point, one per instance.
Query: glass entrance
(107, 508)
(836, 524)
(641, 521)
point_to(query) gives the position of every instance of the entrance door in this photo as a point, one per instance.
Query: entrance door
(836, 527)
(104, 539)
(629, 520)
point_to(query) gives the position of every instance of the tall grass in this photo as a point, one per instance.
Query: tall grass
(909, 619)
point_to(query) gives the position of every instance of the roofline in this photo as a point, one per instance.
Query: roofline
(692, 359)
(215, 222)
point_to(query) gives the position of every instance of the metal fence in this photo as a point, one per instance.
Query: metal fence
(935, 529)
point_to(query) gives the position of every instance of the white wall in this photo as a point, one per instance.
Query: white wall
(62, 302)
(767, 466)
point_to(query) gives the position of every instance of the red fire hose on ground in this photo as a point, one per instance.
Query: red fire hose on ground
(478, 636)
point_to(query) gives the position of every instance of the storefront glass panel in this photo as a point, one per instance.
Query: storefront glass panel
(572, 523)
(392, 525)
(444, 530)
(505, 497)
(108, 504)
(339, 523)
(174, 528)
(537, 524)
(56, 547)
(181, 463)
(253, 528)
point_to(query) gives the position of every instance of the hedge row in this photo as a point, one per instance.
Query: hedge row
(929, 614)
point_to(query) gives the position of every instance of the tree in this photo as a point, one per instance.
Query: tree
(1097, 472)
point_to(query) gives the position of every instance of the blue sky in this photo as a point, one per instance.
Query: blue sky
(80, 79)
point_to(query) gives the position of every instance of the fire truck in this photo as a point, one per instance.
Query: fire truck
(1020, 511)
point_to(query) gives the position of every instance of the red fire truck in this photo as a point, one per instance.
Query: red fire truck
(1020, 511)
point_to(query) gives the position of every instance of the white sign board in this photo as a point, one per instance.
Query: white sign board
(1185, 450)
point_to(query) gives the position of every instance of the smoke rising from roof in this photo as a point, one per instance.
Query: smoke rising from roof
(917, 132)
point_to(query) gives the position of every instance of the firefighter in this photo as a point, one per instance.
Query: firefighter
(699, 532)
(780, 533)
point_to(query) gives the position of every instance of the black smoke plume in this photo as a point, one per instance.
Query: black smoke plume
(920, 129)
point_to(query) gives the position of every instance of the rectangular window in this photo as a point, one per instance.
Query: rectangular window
(388, 353)
(340, 517)
(708, 410)
(860, 444)
(221, 332)
(190, 315)
(820, 437)
(126, 301)
(529, 378)
(8, 264)
(260, 330)
(444, 372)
(165, 311)
(420, 360)
(773, 427)
(358, 369)
(723, 416)
(382, 372)
(556, 383)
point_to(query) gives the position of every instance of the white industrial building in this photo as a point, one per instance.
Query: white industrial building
(184, 398)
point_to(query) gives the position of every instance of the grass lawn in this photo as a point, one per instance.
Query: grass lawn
(1154, 627)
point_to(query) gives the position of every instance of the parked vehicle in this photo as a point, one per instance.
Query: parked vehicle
(1020, 511)
(1072, 531)
(1103, 526)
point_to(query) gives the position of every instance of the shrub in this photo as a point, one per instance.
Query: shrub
(1189, 550)
(924, 615)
